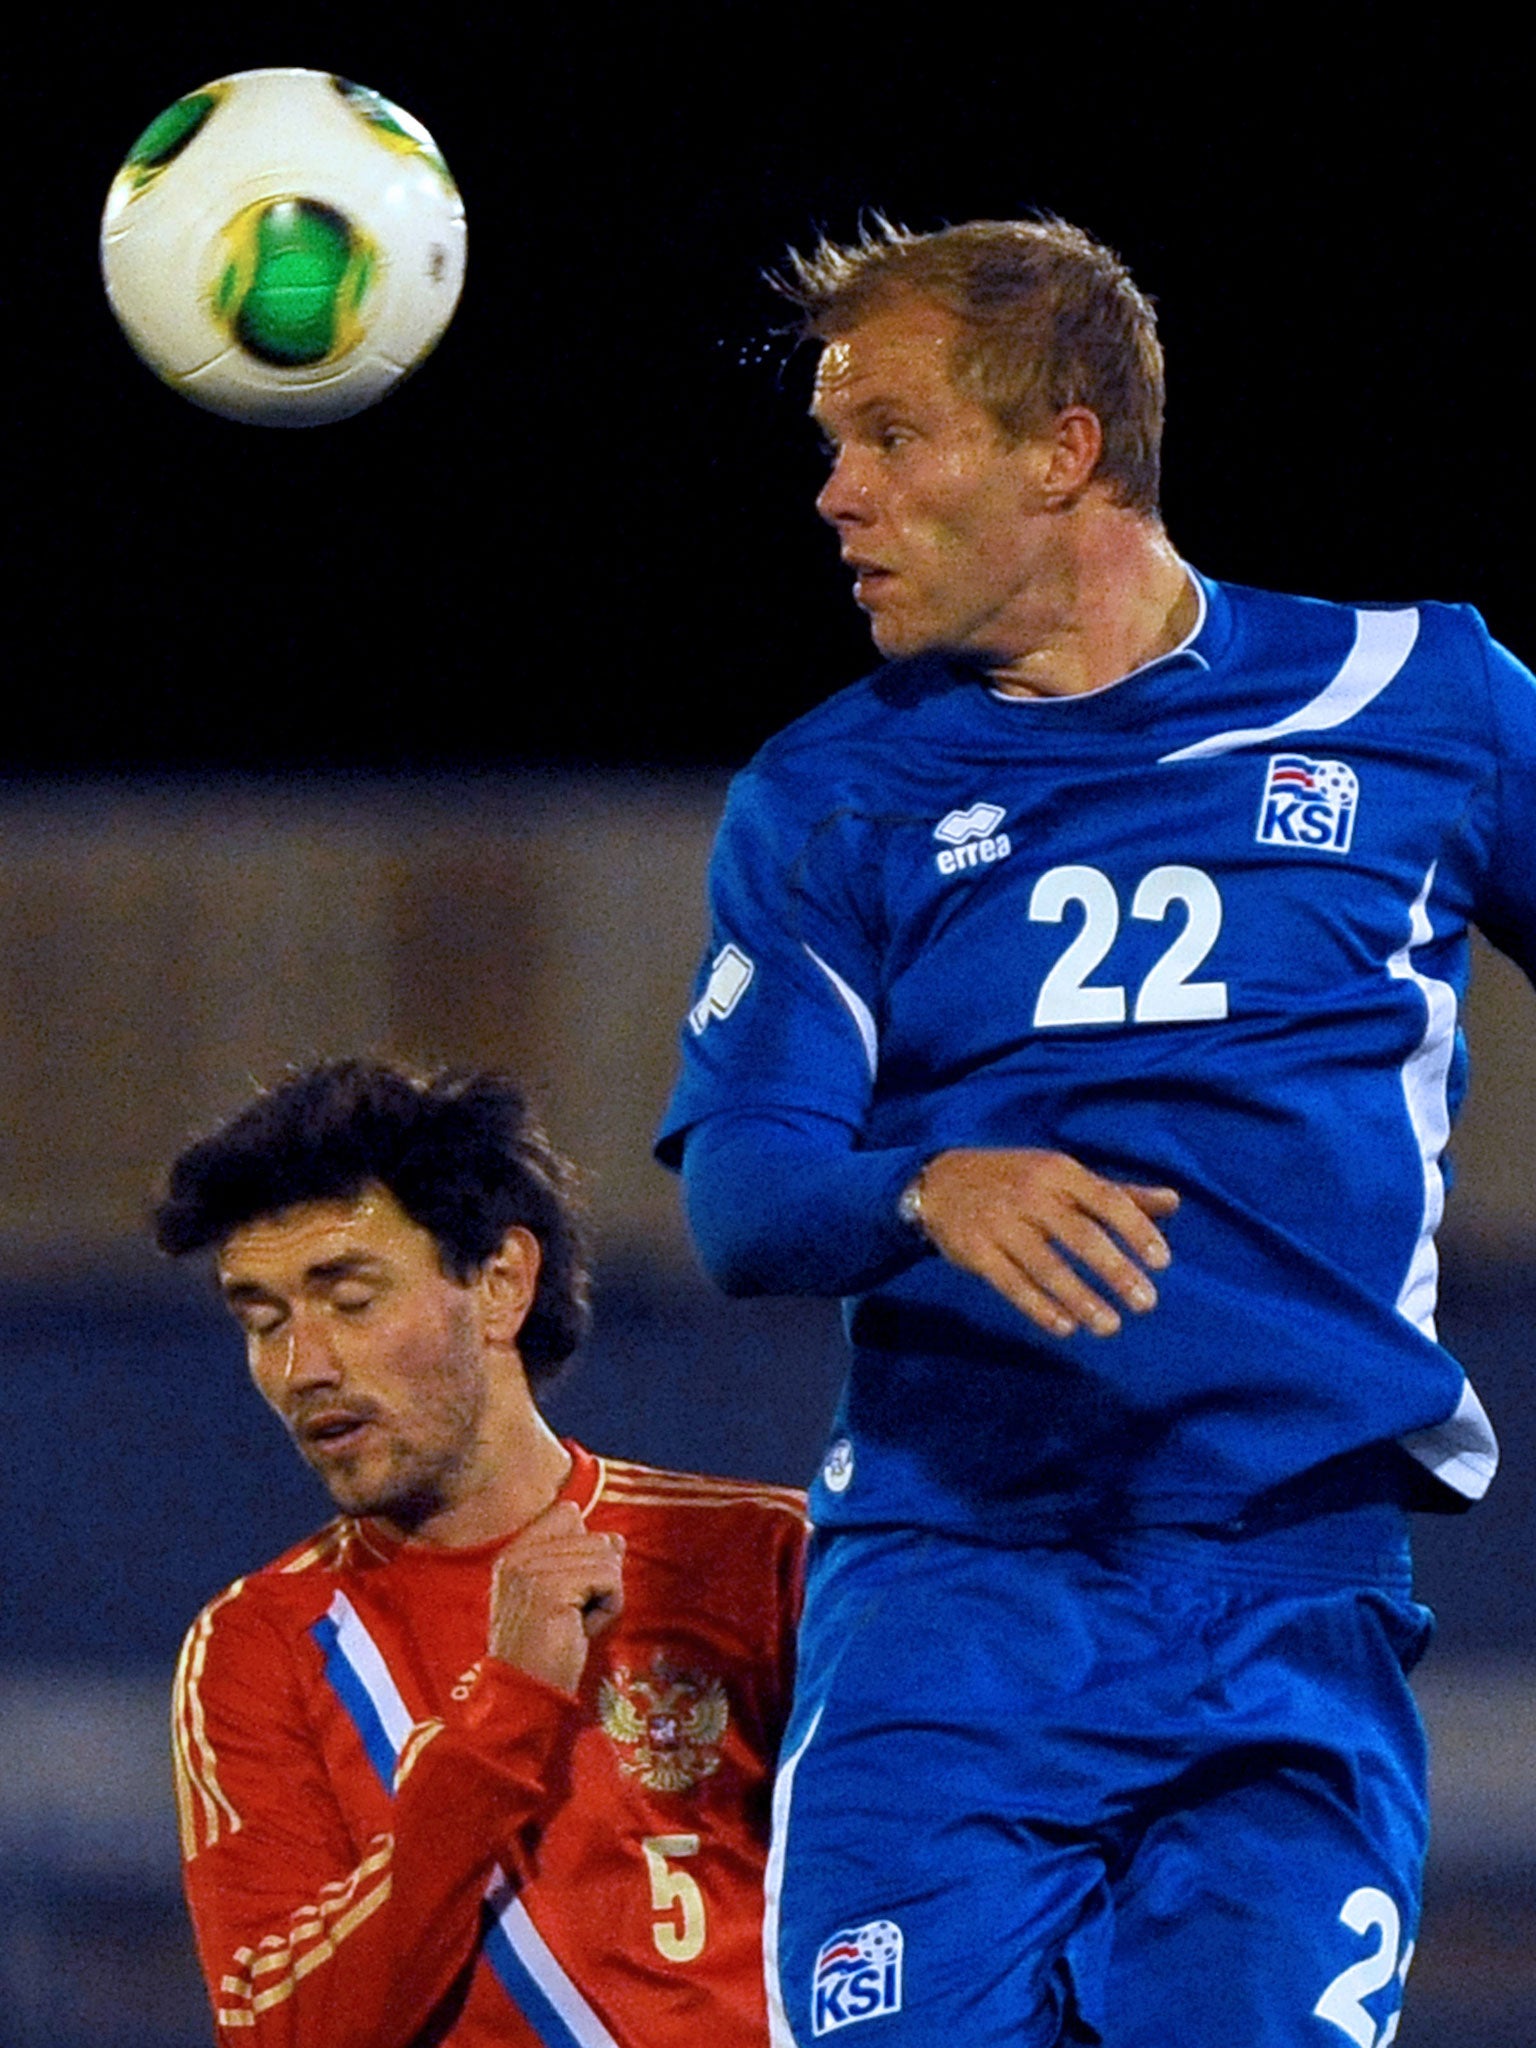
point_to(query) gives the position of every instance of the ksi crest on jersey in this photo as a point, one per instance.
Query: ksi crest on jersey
(1308, 803)
(668, 1727)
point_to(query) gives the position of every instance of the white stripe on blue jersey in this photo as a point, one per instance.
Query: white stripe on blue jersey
(1383, 642)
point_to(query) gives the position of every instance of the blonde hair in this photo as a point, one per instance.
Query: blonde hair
(1050, 318)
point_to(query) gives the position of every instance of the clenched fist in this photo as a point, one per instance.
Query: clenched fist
(555, 1587)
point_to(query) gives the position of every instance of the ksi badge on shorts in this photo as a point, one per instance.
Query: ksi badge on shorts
(857, 1976)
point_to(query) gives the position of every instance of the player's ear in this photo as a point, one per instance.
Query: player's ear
(507, 1283)
(1077, 442)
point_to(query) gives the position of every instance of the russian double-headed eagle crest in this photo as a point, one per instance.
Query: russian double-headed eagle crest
(667, 1726)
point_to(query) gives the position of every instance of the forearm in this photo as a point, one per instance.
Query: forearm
(785, 1203)
(301, 1954)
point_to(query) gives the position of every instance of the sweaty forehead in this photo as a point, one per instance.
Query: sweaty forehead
(901, 351)
(285, 1245)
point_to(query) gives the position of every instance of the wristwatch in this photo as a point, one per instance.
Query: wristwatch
(909, 1205)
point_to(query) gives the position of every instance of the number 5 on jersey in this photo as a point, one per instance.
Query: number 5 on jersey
(679, 1929)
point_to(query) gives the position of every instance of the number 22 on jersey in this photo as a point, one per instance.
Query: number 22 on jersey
(1167, 994)
(1365, 1912)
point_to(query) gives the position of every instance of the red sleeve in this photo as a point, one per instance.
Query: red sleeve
(310, 1937)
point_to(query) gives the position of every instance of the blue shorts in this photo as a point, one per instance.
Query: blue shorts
(1162, 1790)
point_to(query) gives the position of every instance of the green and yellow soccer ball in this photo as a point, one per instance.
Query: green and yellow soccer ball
(283, 246)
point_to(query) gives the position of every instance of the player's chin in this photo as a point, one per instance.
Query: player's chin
(902, 639)
(349, 1490)
(408, 1504)
(897, 638)
(361, 1482)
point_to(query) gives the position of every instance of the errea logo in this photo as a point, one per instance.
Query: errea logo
(971, 839)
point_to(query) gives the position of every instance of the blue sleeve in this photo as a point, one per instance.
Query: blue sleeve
(784, 1010)
(1506, 911)
(784, 1203)
(779, 1051)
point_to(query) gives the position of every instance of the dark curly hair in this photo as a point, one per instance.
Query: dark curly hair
(460, 1152)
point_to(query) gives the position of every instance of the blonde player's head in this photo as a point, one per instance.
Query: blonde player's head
(1049, 318)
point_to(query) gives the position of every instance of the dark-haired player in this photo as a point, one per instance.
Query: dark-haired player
(486, 1760)
(1117, 892)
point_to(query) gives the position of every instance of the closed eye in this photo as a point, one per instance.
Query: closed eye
(259, 1320)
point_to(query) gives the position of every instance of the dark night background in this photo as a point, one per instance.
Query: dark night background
(582, 538)
(591, 509)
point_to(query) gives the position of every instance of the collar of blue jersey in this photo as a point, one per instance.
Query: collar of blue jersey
(1195, 650)
(912, 679)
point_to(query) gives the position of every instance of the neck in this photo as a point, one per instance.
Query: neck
(1111, 596)
(517, 1470)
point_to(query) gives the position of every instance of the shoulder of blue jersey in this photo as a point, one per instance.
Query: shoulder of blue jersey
(866, 707)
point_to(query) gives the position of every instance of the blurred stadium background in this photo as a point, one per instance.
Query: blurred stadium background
(160, 947)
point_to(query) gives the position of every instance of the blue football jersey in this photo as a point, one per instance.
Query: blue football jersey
(1207, 927)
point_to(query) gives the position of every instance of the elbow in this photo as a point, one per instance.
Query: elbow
(738, 1262)
(741, 1243)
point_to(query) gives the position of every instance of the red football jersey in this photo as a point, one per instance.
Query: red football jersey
(389, 1837)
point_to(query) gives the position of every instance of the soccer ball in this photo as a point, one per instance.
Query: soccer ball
(283, 246)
